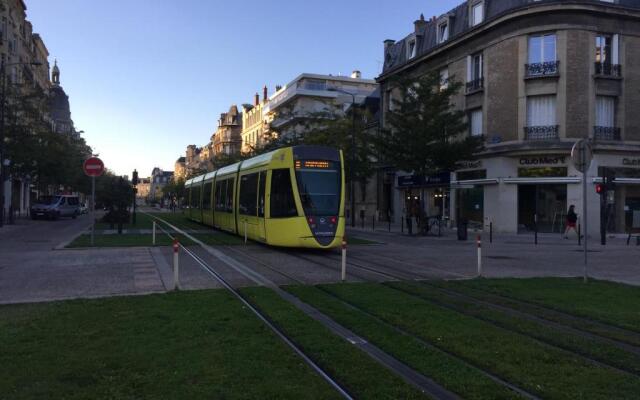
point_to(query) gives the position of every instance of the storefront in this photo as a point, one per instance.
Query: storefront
(427, 196)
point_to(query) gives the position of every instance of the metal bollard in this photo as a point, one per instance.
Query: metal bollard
(344, 259)
(153, 234)
(176, 266)
(479, 242)
(579, 235)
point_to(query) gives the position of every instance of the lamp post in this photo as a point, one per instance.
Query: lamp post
(352, 155)
(3, 93)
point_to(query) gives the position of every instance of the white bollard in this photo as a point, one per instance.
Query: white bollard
(176, 274)
(344, 259)
(154, 233)
(479, 241)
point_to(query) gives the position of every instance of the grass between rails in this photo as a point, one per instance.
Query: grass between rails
(451, 373)
(609, 302)
(537, 368)
(588, 324)
(363, 377)
(142, 240)
(145, 221)
(176, 346)
(602, 351)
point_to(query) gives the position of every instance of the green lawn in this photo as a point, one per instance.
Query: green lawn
(187, 345)
(145, 221)
(608, 302)
(128, 240)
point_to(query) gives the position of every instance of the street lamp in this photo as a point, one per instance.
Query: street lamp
(352, 155)
(3, 85)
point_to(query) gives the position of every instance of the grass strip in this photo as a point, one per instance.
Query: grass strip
(585, 324)
(609, 302)
(537, 368)
(363, 377)
(186, 345)
(128, 240)
(597, 350)
(445, 369)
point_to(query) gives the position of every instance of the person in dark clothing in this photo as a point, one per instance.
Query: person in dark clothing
(572, 219)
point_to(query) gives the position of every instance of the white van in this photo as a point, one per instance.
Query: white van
(54, 207)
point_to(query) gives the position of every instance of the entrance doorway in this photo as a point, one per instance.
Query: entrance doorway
(548, 202)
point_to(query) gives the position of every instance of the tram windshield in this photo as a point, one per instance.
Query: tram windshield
(319, 187)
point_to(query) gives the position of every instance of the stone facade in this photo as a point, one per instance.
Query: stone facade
(180, 168)
(255, 127)
(227, 139)
(544, 84)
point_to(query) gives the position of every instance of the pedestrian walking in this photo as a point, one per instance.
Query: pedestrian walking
(572, 219)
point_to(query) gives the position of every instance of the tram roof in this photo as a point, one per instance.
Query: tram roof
(258, 161)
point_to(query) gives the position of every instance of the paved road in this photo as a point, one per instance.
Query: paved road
(30, 270)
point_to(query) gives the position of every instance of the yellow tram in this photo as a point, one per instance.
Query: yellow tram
(291, 197)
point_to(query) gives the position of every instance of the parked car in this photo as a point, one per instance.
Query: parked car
(54, 207)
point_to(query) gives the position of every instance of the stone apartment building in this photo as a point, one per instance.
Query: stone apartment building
(158, 181)
(538, 75)
(255, 126)
(180, 168)
(227, 139)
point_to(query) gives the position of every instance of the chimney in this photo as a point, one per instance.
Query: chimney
(388, 43)
(257, 100)
(419, 24)
(264, 93)
(278, 87)
(356, 74)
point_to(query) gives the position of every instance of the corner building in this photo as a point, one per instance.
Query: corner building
(538, 75)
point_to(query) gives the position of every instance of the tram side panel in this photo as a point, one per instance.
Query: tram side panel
(224, 198)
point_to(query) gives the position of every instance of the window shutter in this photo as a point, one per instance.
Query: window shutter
(615, 51)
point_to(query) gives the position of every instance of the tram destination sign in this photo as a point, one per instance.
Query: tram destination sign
(313, 164)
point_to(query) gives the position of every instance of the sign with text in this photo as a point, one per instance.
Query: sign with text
(93, 167)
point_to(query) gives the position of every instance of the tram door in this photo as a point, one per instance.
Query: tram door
(262, 185)
(248, 206)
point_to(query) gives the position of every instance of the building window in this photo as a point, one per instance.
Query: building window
(542, 55)
(475, 122)
(444, 78)
(477, 13)
(411, 49)
(607, 55)
(605, 128)
(541, 118)
(475, 72)
(314, 84)
(443, 32)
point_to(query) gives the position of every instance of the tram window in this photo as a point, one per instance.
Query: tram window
(206, 196)
(229, 195)
(261, 187)
(195, 197)
(248, 194)
(282, 203)
(220, 193)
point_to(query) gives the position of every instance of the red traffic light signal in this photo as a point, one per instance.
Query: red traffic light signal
(599, 188)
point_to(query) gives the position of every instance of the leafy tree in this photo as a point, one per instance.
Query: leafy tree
(175, 187)
(426, 134)
(115, 194)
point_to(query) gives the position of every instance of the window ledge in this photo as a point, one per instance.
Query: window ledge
(608, 77)
(474, 91)
(541, 76)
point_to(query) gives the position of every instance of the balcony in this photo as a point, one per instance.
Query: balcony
(609, 70)
(545, 132)
(543, 69)
(606, 133)
(475, 85)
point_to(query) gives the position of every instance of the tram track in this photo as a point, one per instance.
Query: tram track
(398, 330)
(514, 314)
(419, 381)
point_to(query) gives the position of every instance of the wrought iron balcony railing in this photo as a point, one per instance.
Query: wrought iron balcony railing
(545, 132)
(548, 68)
(606, 133)
(608, 69)
(475, 85)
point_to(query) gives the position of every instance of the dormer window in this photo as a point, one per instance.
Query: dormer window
(411, 48)
(477, 13)
(443, 31)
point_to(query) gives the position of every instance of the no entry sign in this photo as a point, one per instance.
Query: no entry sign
(93, 167)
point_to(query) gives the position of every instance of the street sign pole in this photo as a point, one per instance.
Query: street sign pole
(93, 209)
(583, 150)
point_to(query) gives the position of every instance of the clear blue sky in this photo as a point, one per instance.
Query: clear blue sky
(146, 78)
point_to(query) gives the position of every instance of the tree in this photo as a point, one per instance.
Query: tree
(175, 187)
(425, 134)
(116, 194)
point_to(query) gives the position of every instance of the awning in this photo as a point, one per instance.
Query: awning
(542, 180)
(620, 181)
(471, 183)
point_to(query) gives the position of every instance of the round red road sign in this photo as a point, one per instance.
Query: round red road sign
(93, 166)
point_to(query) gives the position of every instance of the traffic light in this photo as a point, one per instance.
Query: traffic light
(600, 188)
(134, 178)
